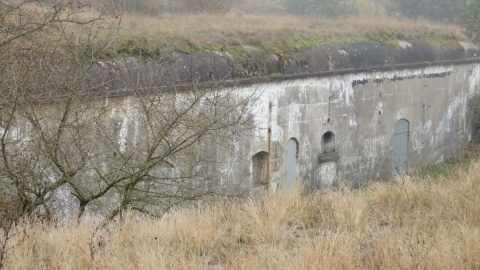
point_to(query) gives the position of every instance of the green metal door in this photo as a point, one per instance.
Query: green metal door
(400, 147)
(291, 163)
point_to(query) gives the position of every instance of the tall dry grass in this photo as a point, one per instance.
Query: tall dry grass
(240, 26)
(146, 33)
(372, 19)
(166, 32)
(173, 32)
(410, 224)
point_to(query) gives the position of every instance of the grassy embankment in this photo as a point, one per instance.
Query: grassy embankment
(151, 36)
(264, 24)
(267, 25)
(420, 222)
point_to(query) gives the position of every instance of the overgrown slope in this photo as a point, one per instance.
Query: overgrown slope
(417, 222)
(149, 36)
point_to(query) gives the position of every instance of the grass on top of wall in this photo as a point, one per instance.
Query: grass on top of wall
(142, 35)
(414, 223)
(188, 33)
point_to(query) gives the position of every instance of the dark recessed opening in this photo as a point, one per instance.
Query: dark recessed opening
(328, 142)
(259, 168)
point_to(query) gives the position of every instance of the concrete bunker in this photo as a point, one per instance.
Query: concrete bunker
(291, 157)
(299, 102)
(260, 168)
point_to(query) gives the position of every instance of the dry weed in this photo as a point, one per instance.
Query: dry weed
(409, 224)
(267, 31)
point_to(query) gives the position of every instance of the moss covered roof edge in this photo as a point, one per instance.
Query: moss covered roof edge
(252, 65)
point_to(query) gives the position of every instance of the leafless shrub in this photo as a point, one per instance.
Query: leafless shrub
(202, 6)
(63, 137)
(10, 214)
(10, 209)
(150, 7)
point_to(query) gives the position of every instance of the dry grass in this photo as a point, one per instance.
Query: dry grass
(241, 29)
(266, 23)
(411, 224)
(147, 35)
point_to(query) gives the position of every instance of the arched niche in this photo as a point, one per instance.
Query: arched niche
(328, 142)
(260, 168)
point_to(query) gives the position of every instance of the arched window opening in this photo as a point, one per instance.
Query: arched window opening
(328, 142)
(260, 168)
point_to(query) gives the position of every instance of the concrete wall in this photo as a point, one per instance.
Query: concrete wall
(361, 110)
(336, 106)
(356, 110)
(355, 92)
(342, 126)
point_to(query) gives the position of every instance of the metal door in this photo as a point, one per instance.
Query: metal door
(291, 163)
(400, 147)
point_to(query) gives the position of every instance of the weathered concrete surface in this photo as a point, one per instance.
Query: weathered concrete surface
(339, 102)
(361, 110)
(357, 91)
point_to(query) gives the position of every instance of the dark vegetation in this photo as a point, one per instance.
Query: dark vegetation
(155, 7)
(439, 10)
(469, 17)
(326, 8)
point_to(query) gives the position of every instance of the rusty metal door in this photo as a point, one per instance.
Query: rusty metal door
(291, 153)
(400, 147)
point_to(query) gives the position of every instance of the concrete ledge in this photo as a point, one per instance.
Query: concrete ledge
(327, 157)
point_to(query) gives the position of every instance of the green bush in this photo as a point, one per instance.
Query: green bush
(326, 8)
(470, 19)
(440, 10)
(475, 107)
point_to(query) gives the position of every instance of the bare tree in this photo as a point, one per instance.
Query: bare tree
(68, 144)
(35, 46)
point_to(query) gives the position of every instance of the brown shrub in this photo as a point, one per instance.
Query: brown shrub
(10, 209)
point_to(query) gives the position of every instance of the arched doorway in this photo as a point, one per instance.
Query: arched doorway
(400, 147)
(291, 155)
